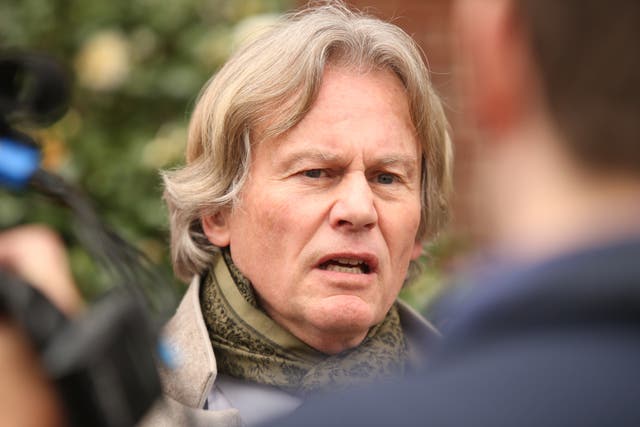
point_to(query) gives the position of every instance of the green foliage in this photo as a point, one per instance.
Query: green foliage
(435, 268)
(138, 66)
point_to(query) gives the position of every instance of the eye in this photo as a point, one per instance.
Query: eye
(314, 173)
(386, 178)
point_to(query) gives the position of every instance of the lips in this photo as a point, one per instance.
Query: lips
(349, 263)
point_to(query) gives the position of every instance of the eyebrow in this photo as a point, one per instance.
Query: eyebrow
(407, 163)
(292, 159)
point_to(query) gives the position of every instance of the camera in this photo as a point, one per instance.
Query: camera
(103, 364)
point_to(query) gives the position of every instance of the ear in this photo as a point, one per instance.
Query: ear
(494, 81)
(216, 228)
(417, 250)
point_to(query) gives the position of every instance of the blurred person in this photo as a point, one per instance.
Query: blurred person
(549, 332)
(318, 161)
(36, 253)
(27, 397)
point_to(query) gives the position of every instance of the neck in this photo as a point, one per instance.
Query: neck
(334, 345)
(330, 342)
(542, 203)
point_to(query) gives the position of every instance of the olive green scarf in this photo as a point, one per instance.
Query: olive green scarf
(251, 346)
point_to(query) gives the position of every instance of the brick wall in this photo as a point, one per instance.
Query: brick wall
(427, 21)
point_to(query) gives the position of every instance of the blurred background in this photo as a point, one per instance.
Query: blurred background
(138, 66)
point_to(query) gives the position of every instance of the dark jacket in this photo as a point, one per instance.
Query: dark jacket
(557, 344)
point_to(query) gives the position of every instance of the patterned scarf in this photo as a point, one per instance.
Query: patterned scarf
(250, 346)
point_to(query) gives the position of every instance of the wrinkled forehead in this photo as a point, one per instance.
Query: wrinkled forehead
(281, 117)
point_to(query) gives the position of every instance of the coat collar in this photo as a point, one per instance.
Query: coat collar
(191, 379)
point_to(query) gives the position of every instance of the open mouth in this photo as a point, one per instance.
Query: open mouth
(346, 265)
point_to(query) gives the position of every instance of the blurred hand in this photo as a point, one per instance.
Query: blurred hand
(27, 397)
(36, 254)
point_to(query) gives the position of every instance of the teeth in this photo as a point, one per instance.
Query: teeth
(346, 265)
(348, 261)
(343, 269)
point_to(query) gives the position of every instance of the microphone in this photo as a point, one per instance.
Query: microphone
(34, 89)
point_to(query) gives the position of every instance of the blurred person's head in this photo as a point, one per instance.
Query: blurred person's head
(319, 148)
(587, 61)
(554, 89)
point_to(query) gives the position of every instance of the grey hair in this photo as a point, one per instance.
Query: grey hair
(270, 84)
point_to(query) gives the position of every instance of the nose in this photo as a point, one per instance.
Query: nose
(353, 209)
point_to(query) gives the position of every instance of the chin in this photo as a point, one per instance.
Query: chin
(345, 314)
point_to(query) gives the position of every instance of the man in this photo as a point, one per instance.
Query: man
(549, 335)
(317, 162)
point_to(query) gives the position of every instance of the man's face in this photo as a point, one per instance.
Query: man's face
(326, 224)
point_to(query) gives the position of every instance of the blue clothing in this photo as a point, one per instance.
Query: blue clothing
(556, 344)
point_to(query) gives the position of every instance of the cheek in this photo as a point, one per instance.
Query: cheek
(274, 218)
(400, 228)
(412, 220)
(261, 227)
(288, 219)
